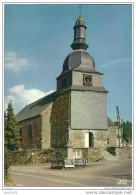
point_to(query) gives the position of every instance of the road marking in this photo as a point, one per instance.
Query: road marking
(49, 178)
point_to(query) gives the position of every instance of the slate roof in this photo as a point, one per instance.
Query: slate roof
(110, 122)
(35, 108)
(79, 60)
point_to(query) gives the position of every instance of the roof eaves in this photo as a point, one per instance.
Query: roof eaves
(28, 118)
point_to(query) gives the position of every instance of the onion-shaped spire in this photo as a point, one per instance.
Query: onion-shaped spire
(79, 35)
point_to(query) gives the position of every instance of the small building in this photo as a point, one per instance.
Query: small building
(76, 111)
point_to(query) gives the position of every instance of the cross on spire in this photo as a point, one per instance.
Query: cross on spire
(80, 9)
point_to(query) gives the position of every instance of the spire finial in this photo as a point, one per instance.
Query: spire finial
(80, 9)
(79, 34)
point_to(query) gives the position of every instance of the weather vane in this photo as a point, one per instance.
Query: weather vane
(80, 9)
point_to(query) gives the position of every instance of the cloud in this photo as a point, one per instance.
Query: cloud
(115, 62)
(14, 62)
(21, 97)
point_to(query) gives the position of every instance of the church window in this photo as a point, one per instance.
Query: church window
(36, 129)
(64, 83)
(108, 141)
(20, 132)
(30, 131)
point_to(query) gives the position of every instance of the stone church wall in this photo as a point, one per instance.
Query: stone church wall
(112, 136)
(77, 138)
(88, 110)
(35, 140)
(46, 126)
(59, 120)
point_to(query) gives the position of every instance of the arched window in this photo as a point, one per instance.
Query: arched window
(91, 140)
(30, 131)
(20, 133)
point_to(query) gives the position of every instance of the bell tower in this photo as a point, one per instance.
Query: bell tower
(79, 66)
(87, 99)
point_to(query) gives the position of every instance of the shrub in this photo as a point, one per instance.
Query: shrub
(111, 150)
(48, 150)
(6, 162)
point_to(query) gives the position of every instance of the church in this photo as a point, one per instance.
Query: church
(77, 111)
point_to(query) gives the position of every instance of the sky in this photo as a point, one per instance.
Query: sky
(37, 39)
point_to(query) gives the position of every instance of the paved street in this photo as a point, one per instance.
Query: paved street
(96, 174)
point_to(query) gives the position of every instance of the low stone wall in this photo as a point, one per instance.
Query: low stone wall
(91, 154)
(94, 154)
(36, 156)
(124, 153)
(50, 155)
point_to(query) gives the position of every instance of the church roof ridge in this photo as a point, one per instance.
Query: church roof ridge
(35, 108)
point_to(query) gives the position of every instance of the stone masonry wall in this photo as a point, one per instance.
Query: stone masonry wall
(112, 136)
(88, 110)
(77, 138)
(35, 141)
(49, 155)
(35, 156)
(46, 128)
(124, 153)
(91, 154)
(59, 120)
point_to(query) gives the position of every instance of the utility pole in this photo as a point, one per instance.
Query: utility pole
(118, 121)
(121, 122)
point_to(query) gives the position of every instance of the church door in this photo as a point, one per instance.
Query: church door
(91, 140)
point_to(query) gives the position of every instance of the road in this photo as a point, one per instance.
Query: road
(96, 174)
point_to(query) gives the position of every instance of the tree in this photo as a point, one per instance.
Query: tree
(11, 133)
(127, 130)
(6, 162)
